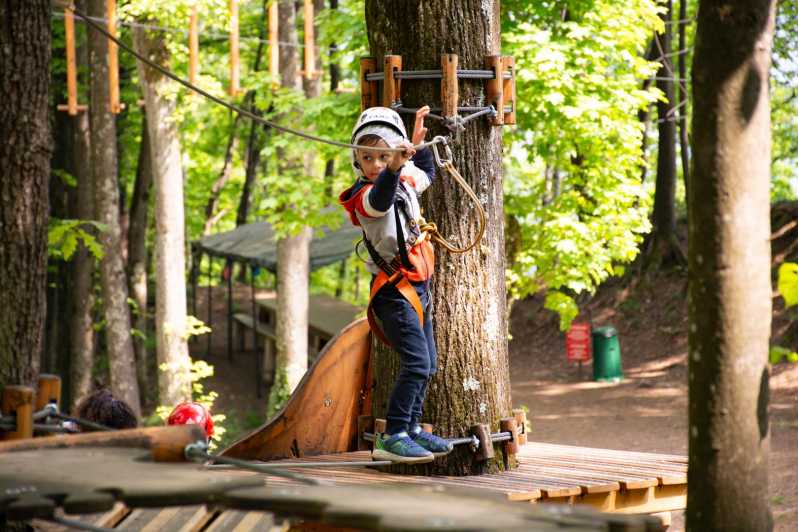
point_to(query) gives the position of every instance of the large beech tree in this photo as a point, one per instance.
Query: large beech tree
(472, 384)
(24, 169)
(729, 267)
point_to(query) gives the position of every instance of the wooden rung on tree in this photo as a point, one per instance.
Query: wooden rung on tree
(495, 87)
(234, 58)
(520, 418)
(310, 42)
(368, 89)
(449, 86)
(508, 63)
(509, 424)
(193, 46)
(274, 44)
(113, 59)
(391, 86)
(18, 400)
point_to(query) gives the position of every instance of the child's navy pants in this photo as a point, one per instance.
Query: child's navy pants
(416, 347)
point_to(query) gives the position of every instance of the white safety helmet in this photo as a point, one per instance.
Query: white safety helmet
(382, 122)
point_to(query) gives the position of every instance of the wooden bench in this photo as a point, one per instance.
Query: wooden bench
(264, 361)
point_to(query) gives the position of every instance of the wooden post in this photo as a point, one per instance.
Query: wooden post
(234, 63)
(113, 58)
(520, 420)
(449, 89)
(48, 391)
(310, 42)
(193, 46)
(368, 89)
(72, 73)
(274, 44)
(364, 424)
(485, 451)
(391, 86)
(508, 62)
(380, 425)
(495, 87)
(508, 424)
(18, 400)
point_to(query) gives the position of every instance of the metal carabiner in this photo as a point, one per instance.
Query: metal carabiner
(440, 139)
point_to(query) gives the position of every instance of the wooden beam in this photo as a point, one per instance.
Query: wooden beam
(368, 89)
(449, 87)
(310, 42)
(518, 413)
(71, 66)
(508, 424)
(508, 63)
(48, 391)
(113, 59)
(495, 87)
(18, 400)
(193, 46)
(391, 86)
(274, 43)
(235, 69)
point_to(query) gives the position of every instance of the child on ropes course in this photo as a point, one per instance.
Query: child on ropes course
(384, 202)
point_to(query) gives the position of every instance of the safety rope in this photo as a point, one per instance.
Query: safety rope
(241, 111)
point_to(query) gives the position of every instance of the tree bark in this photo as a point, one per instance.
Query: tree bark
(472, 385)
(24, 202)
(83, 300)
(293, 253)
(121, 360)
(174, 382)
(729, 268)
(684, 102)
(137, 258)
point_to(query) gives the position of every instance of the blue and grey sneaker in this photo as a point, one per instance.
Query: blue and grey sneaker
(400, 448)
(434, 444)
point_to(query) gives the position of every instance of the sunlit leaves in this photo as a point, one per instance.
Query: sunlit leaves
(788, 283)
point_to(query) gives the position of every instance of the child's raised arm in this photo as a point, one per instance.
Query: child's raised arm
(419, 131)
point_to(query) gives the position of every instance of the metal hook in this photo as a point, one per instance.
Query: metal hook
(447, 153)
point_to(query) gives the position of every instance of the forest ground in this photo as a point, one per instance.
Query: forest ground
(647, 411)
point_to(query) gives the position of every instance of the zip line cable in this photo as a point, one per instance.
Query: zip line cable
(230, 106)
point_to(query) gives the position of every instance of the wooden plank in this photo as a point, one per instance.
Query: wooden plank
(18, 400)
(368, 89)
(661, 474)
(235, 69)
(241, 521)
(274, 43)
(262, 328)
(494, 88)
(48, 391)
(193, 45)
(572, 450)
(449, 87)
(174, 519)
(321, 415)
(391, 86)
(113, 59)
(71, 65)
(508, 63)
(310, 42)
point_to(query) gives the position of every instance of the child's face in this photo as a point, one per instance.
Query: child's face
(373, 162)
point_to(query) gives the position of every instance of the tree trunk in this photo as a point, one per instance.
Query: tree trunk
(729, 268)
(662, 246)
(293, 255)
(137, 258)
(174, 383)
(684, 143)
(82, 318)
(121, 360)
(224, 177)
(472, 384)
(24, 202)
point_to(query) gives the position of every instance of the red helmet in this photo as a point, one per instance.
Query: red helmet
(192, 413)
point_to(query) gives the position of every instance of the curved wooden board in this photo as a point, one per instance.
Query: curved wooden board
(321, 415)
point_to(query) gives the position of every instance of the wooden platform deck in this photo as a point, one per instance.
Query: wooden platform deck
(608, 480)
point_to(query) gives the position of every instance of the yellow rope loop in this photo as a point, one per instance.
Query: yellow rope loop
(432, 229)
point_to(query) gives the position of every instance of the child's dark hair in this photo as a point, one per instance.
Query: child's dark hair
(369, 140)
(103, 408)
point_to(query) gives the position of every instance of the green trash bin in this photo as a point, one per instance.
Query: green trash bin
(606, 355)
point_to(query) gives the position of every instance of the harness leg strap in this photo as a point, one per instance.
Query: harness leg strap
(405, 288)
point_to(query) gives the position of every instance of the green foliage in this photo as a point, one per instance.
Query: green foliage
(788, 283)
(563, 305)
(279, 393)
(63, 237)
(578, 84)
(778, 353)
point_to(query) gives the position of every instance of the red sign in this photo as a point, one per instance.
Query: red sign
(578, 346)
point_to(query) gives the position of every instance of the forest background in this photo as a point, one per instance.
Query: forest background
(595, 169)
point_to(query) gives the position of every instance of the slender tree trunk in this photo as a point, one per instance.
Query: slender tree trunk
(729, 268)
(665, 193)
(224, 177)
(82, 318)
(122, 363)
(293, 253)
(137, 257)
(472, 385)
(174, 383)
(684, 143)
(25, 169)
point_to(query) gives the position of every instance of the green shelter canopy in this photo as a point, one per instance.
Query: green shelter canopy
(255, 244)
